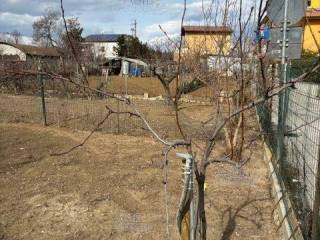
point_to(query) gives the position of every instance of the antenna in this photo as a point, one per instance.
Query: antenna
(134, 28)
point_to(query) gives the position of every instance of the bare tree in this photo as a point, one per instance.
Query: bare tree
(16, 35)
(45, 29)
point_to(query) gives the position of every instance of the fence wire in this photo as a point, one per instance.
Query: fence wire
(83, 114)
(298, 165)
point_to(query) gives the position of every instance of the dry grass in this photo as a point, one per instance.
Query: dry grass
(139, 86)
(83, 114)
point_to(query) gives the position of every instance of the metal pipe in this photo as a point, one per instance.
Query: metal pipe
(187, 194)
(284, 43)
(183, 197)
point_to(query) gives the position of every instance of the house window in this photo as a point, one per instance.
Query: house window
(309, 3)
(102, 49)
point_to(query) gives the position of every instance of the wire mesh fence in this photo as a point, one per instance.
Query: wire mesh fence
(85, 114)
(295, 150)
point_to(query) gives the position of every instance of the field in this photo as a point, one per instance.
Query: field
(112, 189)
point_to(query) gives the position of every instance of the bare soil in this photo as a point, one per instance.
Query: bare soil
(112, 188)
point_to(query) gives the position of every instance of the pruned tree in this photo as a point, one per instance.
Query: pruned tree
(229, 83)
(187, 75)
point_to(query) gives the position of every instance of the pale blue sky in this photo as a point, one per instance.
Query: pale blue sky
(107, 16)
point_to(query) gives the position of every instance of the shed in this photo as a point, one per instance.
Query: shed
(136, 66)
(21, 52)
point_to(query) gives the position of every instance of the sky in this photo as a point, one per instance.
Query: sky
(108, 16)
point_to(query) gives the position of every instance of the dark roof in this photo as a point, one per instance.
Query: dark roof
(103, 37)
(205, 29)
(36, 51)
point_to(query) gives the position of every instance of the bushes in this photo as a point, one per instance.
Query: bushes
(305, 64)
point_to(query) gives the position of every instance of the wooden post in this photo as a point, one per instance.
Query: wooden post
(118, 118)
(107, 75)
(126, 83)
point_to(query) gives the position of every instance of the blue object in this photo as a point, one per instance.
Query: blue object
(135, 72)
(265, 34)
(262, 34)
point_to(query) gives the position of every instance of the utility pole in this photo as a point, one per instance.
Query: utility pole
(134, 28)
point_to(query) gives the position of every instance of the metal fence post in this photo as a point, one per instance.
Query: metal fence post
(42, 95)
(283, 80)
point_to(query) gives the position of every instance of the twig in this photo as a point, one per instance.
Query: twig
(165, 182)
(84, 140)
(71, 44)
(303, 125)
(168, 37)
(179, 72)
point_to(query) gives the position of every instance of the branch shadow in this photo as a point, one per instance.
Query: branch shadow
(239, 212)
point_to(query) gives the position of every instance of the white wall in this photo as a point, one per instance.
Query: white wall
(10, 50)
(108, 49)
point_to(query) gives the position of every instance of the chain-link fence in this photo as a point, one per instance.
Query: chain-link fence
(291, 126)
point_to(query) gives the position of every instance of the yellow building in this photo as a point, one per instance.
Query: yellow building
(312, 27)
(206, 40)
(314, 4)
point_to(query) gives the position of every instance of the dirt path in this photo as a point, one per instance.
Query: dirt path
(112, 189)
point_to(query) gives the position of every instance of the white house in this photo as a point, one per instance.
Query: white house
(102, 45)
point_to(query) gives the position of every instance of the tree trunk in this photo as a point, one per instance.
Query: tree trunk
(201, 208)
